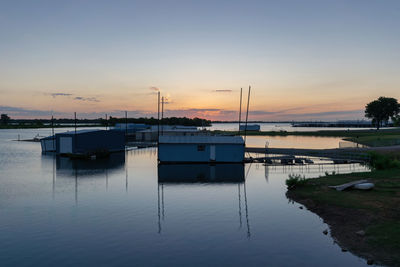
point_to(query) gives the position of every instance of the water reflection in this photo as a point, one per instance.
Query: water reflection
(80, 168)
(177, 174)
(85, 167)
(201, 173)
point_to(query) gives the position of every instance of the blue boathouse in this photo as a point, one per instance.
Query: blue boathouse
(88, 142)
(197, 149)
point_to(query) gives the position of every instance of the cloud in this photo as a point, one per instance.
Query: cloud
(18, 112)
(79, 98)
(223, 91)
(261, 112)
(201, 109)
(26, 113)
(60, 94)
(154, 90)
(89, 99)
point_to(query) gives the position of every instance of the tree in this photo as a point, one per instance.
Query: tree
(381, 110)
(4, 119)
(396, 121)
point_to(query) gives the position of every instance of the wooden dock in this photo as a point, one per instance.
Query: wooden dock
(354, 154)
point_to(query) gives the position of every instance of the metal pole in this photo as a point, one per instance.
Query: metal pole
(240, 109)
(75, 121)
(247, 115)
(162, 115)
(126, 123)
(106, 122)
(52, 132)
(76, 138)
(158, 118)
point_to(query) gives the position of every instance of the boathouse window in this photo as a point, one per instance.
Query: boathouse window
(201, 147)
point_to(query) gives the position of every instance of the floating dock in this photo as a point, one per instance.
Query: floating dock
(201, 149)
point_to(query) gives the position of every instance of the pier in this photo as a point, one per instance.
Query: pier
(338, 155)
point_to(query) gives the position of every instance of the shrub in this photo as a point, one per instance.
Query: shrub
(295, 180)
(383, 162)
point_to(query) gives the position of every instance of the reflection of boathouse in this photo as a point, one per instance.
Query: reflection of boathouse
(74, 169)
(70, 167)
(230, 175)
(200, 173)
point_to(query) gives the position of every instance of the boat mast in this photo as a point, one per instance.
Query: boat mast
(240, 109)
(247, 115)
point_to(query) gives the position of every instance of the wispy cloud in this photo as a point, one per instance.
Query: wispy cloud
(154, 90)
(73, 97)
(89, 99)
(18, 112)
(60, 94)
(262, 112)
(223, 91)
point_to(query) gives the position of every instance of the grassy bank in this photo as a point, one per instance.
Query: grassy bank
(383, 137)
(364, 222)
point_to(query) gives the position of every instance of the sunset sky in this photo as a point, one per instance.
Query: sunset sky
(305, 60)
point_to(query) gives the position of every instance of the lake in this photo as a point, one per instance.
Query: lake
(127, 210)
(280, 126)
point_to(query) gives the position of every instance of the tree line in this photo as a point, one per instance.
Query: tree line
(6, 120)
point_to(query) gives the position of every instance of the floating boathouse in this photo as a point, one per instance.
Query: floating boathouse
(48, 144)
(89, 142)
(200, 149)
(250, 127)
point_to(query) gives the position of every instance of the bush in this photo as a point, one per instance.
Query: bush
(383, 162)
(295, 180)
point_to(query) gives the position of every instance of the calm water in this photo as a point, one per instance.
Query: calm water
(267, 126)
(126, 210)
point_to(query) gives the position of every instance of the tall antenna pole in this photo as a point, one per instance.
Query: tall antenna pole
(75, 121)
(52, 131)
(247, 116)
(75, 137)
(126, 124)
(240, 109)
(162, 115)
(158, 118)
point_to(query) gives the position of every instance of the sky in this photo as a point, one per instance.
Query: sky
(304, 60)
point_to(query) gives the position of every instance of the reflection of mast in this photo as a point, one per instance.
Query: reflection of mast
(245, 202)
(54, 174)
(126, 171)
(158, 206)
(76, 185)
(266, 169)
(240, 208)
(162, 200)
(106, 179)
(247, 213)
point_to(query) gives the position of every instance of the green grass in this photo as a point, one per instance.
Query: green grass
(387, 185)
(375, 140)
(382, 203)
(385, 234)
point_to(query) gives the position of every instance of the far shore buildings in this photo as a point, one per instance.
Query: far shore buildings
(150, 133)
